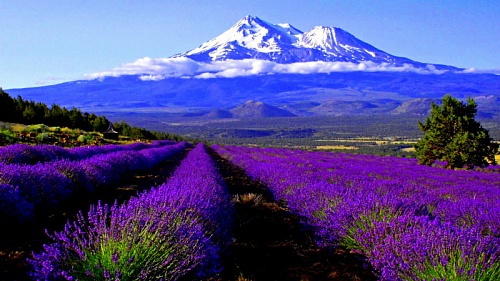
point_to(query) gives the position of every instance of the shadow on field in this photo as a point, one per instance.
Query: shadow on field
(270, 243)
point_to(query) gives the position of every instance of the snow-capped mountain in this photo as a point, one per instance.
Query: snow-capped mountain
(324, 71)
(254, 38)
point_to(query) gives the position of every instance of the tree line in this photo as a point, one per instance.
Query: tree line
(19, 110)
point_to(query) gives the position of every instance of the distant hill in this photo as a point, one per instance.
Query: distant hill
(420, 106)
(298, 91)
(254, 109)
(219, 113)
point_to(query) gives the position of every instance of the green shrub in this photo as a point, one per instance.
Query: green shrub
(82, 139)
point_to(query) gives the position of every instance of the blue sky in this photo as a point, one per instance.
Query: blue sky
(47, 42)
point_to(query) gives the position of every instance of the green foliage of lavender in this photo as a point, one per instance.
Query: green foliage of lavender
(412, 222)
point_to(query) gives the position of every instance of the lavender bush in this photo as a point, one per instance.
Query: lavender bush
(145, 239)
(33, 154)
(418, 248)
(40, 184)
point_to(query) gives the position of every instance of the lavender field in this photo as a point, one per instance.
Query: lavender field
(412, 222)
(239, 213)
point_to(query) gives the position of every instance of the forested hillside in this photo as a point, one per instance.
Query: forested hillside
(19, 110)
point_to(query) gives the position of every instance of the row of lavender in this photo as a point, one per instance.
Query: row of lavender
(33, 154)
(26, 190)
(172, 231)
(413, 222)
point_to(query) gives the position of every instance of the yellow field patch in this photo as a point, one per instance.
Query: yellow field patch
(369, 140)
(497, 158)
(344, 147)
(404, 142)
(18, 127)
(348, 140)
(408, 149)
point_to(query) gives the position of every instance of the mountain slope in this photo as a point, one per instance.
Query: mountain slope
(302, 92)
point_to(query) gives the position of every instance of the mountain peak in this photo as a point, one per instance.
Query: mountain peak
(249, 18)
(322, 37)
(250, 22)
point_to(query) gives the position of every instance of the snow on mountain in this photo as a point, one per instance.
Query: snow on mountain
(254, 38)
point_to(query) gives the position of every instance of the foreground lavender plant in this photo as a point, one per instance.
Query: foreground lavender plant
(164, 234)
(418, 248)
(202, 189)
(145, 239)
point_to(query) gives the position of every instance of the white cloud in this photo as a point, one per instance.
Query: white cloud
(167, 67)
(150, 77)
(150, 69)
(474, 70)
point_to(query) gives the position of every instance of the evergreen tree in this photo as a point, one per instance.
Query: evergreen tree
(451, 134)
(7, 106)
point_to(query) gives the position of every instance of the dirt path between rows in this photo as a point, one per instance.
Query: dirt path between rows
(270, 243)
